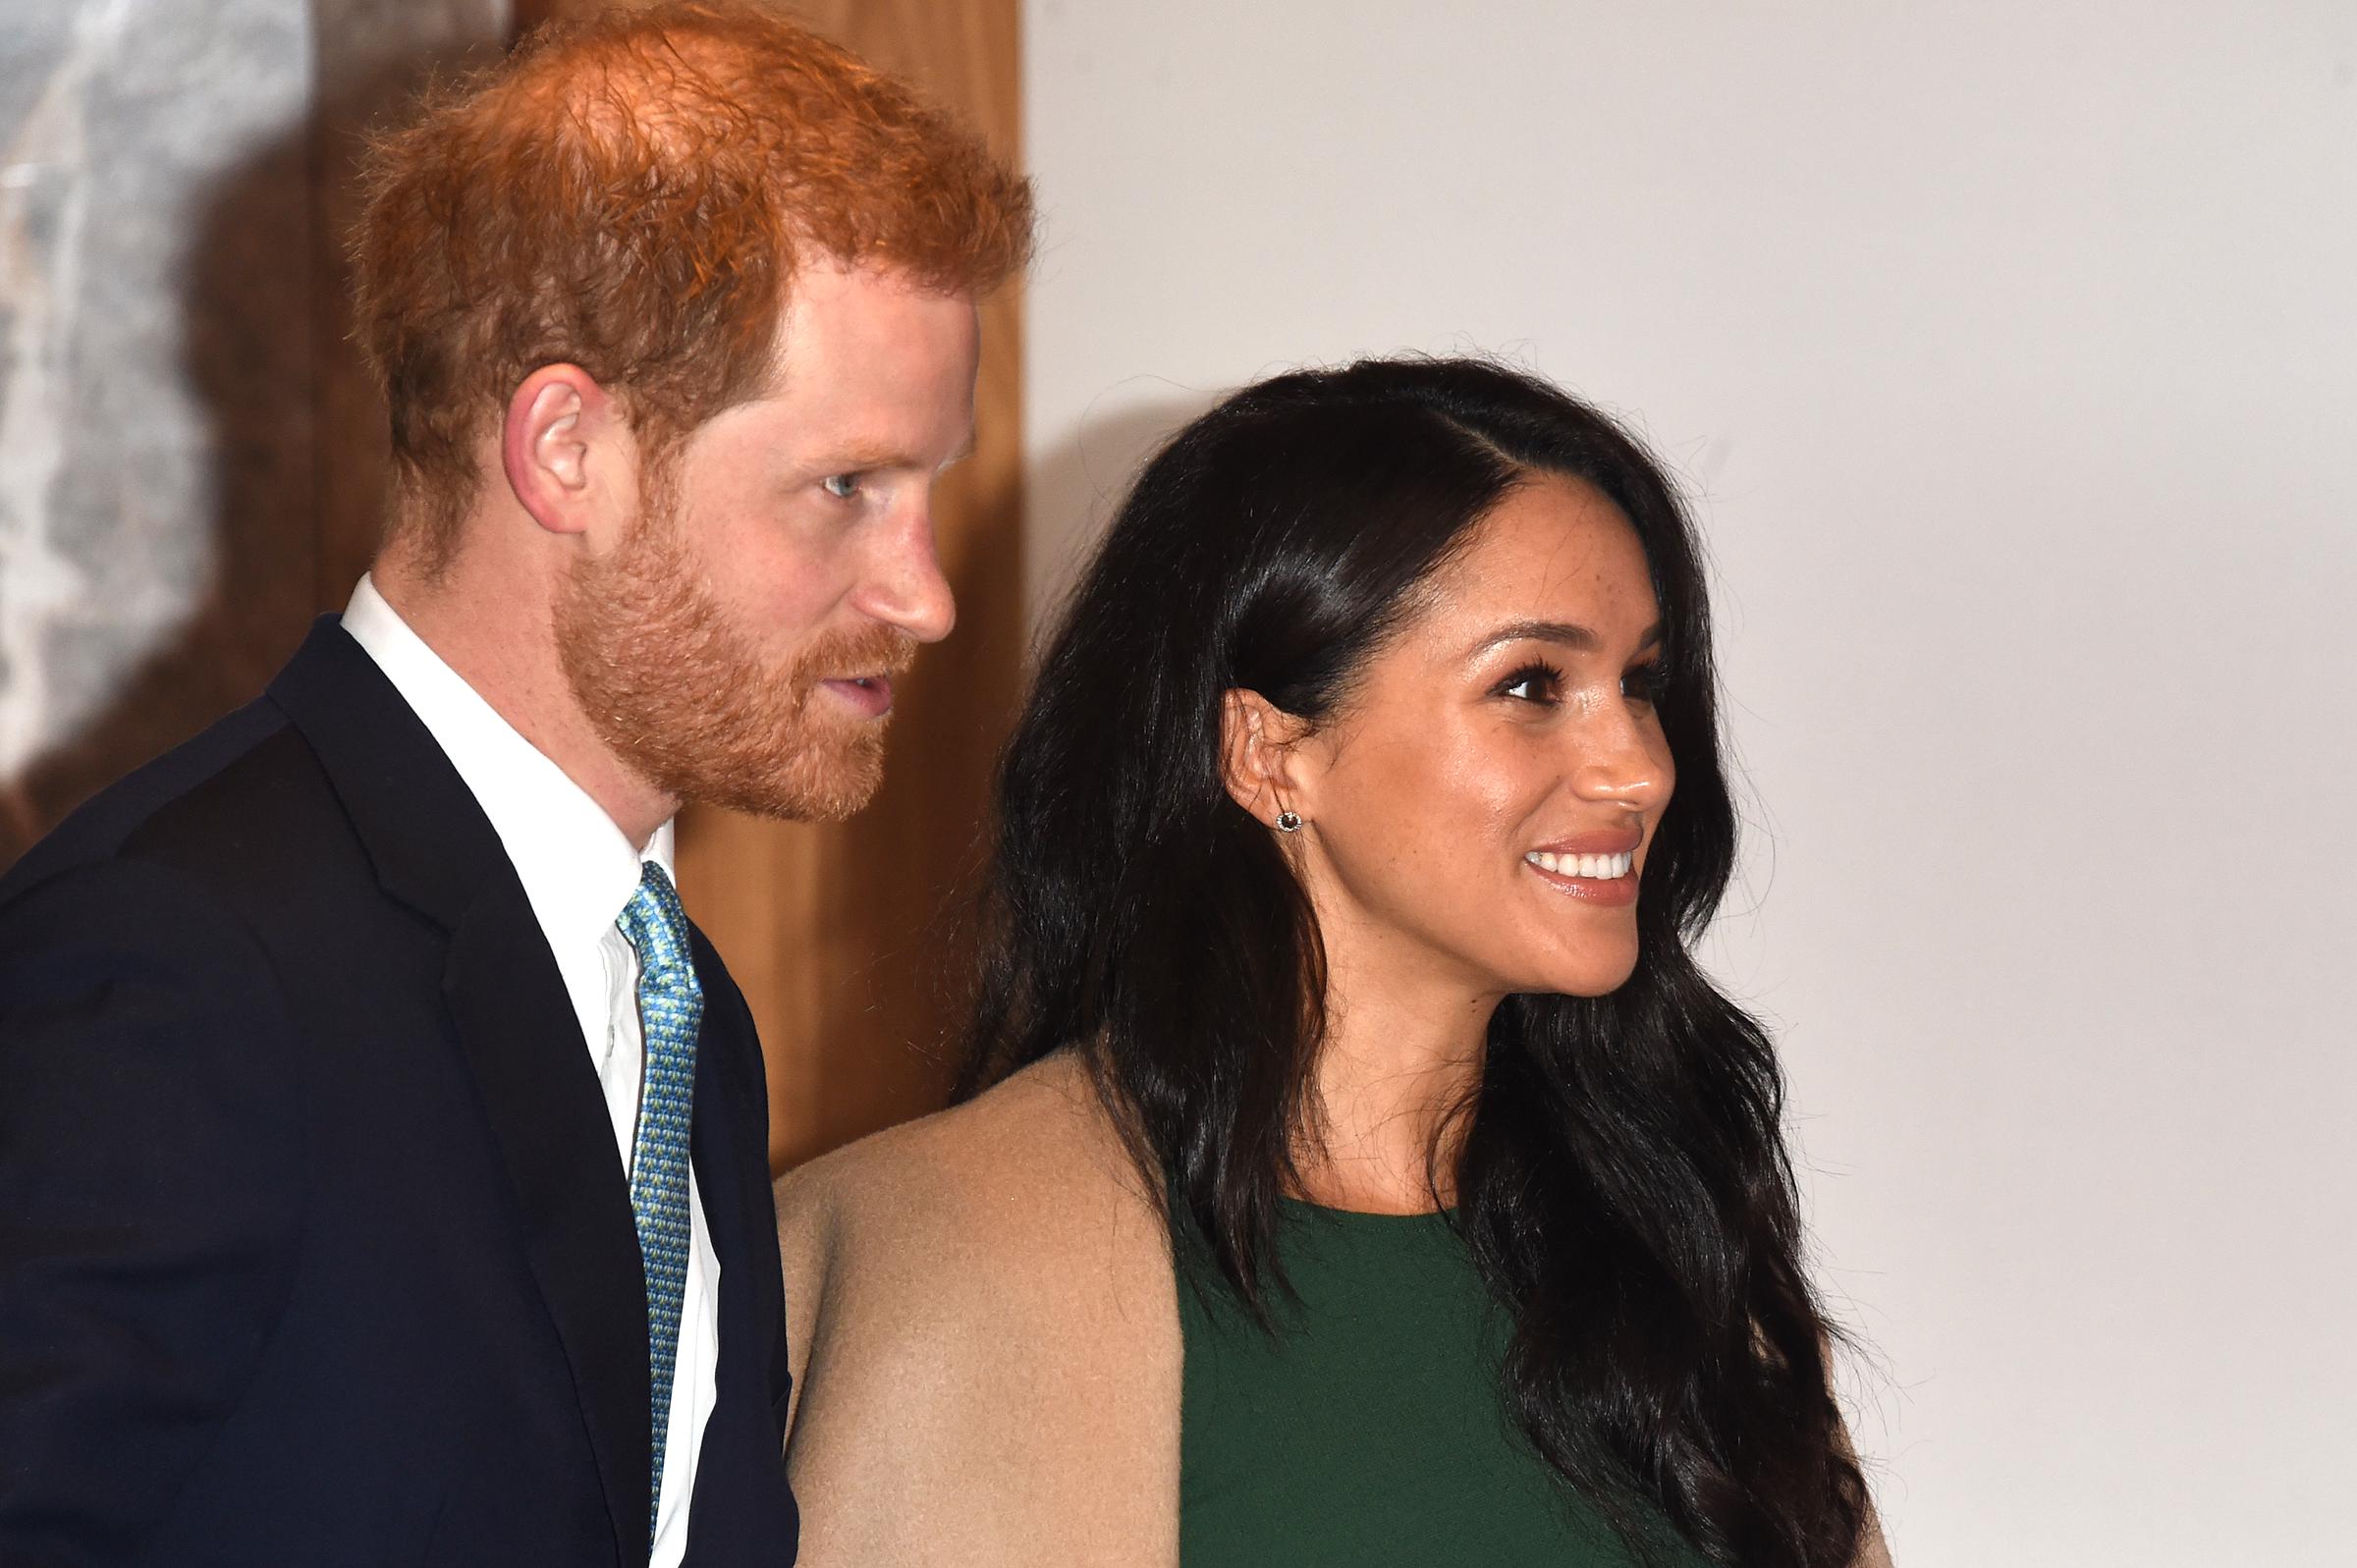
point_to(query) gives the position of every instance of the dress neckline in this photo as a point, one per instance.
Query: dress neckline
(1364, 1216)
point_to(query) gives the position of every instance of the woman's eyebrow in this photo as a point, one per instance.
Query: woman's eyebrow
(1563, 633)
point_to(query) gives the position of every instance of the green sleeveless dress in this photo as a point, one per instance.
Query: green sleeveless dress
(1368, 1431)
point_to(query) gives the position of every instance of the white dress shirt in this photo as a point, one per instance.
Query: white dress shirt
(577, 871)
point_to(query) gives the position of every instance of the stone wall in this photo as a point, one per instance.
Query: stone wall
(188, 455)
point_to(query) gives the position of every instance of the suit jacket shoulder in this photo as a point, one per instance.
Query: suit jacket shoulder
(98, 828)
(155, 1147)
(317, 1247)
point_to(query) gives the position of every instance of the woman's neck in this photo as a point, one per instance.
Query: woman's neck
(1400, 1061)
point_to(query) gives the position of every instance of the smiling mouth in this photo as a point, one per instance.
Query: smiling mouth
(1594, 868)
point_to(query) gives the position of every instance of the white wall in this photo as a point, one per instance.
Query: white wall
(2011, 350)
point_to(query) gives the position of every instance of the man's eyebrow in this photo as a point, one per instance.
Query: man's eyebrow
(1564, 633)
(862, 456)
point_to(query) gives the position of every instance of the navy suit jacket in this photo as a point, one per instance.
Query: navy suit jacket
(315, 1247)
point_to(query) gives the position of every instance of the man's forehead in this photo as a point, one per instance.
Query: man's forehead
(826, 284)
(857, 421)
(874, 325)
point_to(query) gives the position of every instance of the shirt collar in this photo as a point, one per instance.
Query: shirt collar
(577, 868)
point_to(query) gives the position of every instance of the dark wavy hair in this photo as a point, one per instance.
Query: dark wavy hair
(1621, 1179)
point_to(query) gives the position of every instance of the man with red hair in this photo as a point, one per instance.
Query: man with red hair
(384, 1153)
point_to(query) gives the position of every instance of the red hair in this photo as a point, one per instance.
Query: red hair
(634, 195)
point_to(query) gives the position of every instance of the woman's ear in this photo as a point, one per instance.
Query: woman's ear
(1256, 753)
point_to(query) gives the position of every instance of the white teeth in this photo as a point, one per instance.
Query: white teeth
(1600, 868)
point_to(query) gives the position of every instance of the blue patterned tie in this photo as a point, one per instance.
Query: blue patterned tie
(671, 1006)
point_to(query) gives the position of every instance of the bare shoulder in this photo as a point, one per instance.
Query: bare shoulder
(965, 1294)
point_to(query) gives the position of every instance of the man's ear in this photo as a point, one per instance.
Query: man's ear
(568, 453)
(1257, 760)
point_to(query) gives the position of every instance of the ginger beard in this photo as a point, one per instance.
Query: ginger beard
(687, 698)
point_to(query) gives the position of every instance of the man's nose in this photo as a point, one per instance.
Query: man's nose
(906, 588)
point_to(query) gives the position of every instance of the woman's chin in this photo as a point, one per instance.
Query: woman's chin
(1589, 975)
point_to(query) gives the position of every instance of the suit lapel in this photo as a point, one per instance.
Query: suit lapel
(728, 1171)
(435, 850)
(430, 843)
(516, 1024)
(732, 1172)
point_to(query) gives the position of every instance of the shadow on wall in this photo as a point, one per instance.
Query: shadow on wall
(244, 320)
(1078, 485)
(1085, 478)
(264, 510)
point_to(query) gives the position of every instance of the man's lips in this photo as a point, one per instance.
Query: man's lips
(870, 695)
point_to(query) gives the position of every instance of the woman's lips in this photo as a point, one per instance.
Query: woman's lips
(870, 695)
(1607, 880)
(1623, 840)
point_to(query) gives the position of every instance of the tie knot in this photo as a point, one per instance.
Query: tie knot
(658, 927)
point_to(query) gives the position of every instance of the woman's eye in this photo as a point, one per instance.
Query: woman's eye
(1535, 684)
(842, 486)
(1643, 684)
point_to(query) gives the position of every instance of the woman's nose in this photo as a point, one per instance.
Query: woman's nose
(1622, 758)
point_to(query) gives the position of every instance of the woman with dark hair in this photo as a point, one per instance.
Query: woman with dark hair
(1354, 1164)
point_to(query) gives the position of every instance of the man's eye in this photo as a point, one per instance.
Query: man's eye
(842, 486)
